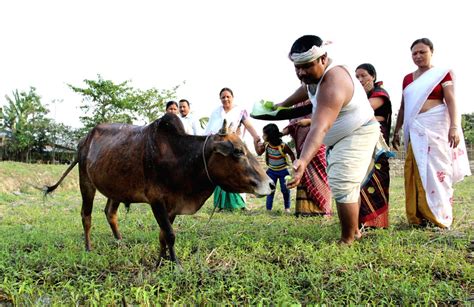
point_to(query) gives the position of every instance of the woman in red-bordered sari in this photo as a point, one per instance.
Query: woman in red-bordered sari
(436, 153)
(374, 195)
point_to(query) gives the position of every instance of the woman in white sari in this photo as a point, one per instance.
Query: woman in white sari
(235, 116)
(436, 153)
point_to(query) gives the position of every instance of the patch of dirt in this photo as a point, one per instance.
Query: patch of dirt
(5, 300)
(8, 184)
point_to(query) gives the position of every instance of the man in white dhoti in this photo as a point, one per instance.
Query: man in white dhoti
(342, 119)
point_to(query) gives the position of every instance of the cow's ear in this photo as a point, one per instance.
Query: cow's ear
(224, 148)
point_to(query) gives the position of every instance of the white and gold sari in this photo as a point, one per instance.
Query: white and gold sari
(432, 166)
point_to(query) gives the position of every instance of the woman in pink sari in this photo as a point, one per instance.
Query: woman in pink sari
(436, 153)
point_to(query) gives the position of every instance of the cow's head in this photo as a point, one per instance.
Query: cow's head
(234, 168)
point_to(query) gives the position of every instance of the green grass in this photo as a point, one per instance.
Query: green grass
(249, 258)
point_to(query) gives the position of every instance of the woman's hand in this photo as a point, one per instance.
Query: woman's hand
(396, 141)
(257, 141)
(299, 167)
(368, 86)
(453, 137)
(258, 145)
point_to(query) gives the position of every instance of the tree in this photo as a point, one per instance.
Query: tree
(151, 104)
(467, 123)
(24, 117)
(63, 135)
(63, 140)
(105, 102)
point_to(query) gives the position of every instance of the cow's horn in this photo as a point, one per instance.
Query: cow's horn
(223, 130)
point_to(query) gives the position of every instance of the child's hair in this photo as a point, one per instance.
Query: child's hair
(273, 134)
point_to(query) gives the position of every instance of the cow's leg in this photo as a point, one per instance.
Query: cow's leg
(111, 214)
(167, 236)
(88, 193)
(163, 246)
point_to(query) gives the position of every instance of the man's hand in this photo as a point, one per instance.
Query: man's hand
(298, 167)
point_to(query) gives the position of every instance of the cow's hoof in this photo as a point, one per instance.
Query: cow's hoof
(178, 267)
(119, 243)
(162, 260)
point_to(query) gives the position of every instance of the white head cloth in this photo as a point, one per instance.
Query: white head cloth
(309, 56)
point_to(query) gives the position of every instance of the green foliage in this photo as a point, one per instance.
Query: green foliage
(25, 117)
(151, 104)
(238, 258)
(467, 123)
(30, 131)
(105, 102)
(63, 135)
(203, 122)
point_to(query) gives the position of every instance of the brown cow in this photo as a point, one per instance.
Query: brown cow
(160, 165)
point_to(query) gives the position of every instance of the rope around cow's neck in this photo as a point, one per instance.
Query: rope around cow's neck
(204, 159)
(207, 173)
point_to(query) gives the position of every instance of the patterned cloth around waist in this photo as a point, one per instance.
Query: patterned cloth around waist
(316, 183)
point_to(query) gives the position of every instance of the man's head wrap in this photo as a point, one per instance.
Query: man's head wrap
(310, 55)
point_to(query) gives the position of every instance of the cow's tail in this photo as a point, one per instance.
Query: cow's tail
(49, 189)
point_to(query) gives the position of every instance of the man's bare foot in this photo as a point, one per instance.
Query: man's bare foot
(358, 235)
(345, 242)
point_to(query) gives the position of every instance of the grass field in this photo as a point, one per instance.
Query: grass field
(249, 258)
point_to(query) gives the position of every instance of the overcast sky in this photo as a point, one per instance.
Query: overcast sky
(213, 44)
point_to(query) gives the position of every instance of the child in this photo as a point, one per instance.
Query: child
(276, 153)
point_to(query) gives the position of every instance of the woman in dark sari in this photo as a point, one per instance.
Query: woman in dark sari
(375, 195)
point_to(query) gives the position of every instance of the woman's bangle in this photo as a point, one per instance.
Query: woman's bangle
(453, 127)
